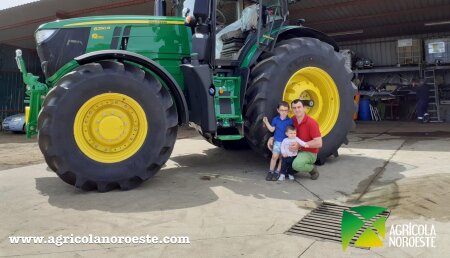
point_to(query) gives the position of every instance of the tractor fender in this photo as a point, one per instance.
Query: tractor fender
(300, 31)
(289, 32)
(163, 74)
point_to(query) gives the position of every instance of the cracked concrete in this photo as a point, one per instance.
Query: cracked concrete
(222, 202)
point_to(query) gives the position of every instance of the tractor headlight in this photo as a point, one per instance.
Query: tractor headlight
(42, 35)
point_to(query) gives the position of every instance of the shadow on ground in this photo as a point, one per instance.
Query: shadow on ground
(190, 180)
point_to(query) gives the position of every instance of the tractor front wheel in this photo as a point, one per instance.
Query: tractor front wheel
(107, 125)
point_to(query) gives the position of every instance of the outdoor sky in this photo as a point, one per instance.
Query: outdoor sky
(5, 4)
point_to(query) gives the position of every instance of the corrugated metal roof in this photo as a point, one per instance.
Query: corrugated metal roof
(342, 18)
(375, 18)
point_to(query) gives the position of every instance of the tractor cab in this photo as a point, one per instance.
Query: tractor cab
(235, 27)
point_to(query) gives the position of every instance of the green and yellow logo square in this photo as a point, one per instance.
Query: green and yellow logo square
(367, 218)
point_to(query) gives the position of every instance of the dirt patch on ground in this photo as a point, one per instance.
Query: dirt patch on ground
(18, 151)
(410, 198)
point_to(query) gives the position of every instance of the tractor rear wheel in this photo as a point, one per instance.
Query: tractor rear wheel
(107, 125)
(308, 69)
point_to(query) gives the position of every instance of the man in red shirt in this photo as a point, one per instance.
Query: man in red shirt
(308, 131)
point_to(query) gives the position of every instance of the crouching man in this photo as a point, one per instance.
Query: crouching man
(308, 131)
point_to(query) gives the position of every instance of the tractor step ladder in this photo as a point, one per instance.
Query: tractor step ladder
(228, 108)
(433, 104)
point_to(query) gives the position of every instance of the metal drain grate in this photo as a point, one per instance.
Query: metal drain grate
(324, 223)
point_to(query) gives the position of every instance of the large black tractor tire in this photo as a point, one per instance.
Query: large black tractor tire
(270, 76)
(57, 120)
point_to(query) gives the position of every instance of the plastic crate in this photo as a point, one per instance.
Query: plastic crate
(437, 51)
(409, 51)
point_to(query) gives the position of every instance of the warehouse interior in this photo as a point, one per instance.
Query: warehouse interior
(386, 44)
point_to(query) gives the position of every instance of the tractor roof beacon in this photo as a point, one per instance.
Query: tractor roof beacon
(118, 87)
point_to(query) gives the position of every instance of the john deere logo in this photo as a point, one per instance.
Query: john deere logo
(370, 219)
(97, 36)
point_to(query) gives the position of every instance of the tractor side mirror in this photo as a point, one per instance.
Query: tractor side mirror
(202, 10)
(264, 15)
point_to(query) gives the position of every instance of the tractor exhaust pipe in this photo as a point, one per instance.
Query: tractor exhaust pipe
(160, 7)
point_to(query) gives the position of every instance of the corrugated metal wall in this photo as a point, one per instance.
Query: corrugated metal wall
(12, 88)
(382, 51)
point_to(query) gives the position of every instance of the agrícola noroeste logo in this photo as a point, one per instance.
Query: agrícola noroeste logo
(354, 220)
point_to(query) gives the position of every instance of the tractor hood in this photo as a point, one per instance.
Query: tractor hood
(163, 39)
(111, 20)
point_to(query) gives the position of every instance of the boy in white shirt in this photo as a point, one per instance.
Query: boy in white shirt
(287, 155)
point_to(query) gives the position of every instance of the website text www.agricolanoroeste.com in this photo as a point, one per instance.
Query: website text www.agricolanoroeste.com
(94, 239)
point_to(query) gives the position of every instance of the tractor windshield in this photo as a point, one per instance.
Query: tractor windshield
(237, 20)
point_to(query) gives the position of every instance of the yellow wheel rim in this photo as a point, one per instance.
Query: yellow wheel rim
(313, 83)
(110, 127)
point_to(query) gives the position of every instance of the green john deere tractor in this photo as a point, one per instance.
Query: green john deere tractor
(118, 87)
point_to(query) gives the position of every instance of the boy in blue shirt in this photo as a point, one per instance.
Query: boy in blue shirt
(278, 127)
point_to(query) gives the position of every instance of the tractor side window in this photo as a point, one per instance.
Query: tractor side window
(227, 12)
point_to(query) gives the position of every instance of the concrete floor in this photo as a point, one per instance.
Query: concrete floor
(221, 201)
